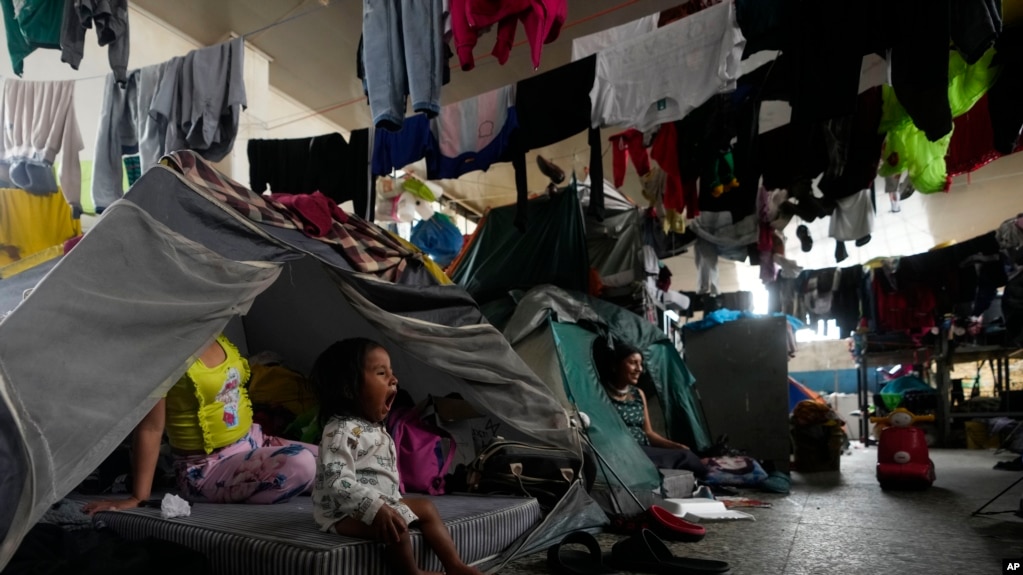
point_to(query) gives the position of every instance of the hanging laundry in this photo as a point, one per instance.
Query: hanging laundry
(920, 67)
(360, 63)
(680, 201)
(324, 163)
(404, 56)
(110, 18)
(1003, 106)
(127, 128)
(719, 236)
(133, 168)
(766, 237)
(975, 26)
(562, 93)
(973, 141)
(662, 76)
(39, 121)
(853, 217)
(31, 223)
(473, 134)
(200, 99)
(584, 46)
(766, 24)
(395, 150)
(628, 144)
(541, 19)
(853, 145)
(31, 24)
(908, 147)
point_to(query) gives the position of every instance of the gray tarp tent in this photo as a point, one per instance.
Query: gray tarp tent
(118, 319)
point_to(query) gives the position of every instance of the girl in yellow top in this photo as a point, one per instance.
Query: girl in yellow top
(221, 456)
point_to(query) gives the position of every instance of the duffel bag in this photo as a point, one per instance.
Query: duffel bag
(513, 468)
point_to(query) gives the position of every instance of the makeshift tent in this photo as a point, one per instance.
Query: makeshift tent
(554, 331)
(560, 246)
(118, 319)
(552, 250)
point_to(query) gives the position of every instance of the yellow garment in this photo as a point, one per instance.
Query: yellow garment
(30, 223)
(907, 148)
(277, 385)
(418, 189)
(431, 266)
(209, 407)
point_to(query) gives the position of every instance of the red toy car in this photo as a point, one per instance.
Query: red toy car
(903, 459)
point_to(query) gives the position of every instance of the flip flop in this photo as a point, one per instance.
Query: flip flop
(575, 562)
(647, 553)
(669, 527)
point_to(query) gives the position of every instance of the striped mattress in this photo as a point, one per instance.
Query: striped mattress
(283, 539)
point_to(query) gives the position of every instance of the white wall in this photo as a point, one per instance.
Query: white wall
(152, 42)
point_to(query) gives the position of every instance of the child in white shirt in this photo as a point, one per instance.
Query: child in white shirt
(356, 489)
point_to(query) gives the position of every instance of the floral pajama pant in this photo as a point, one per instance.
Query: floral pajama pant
(257, 468)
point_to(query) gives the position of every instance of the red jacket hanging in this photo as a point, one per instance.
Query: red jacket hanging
(542, 20)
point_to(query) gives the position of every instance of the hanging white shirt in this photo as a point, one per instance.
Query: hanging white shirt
(853, 217)
(662, 76)
(583, 46)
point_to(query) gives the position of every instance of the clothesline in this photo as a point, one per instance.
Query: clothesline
(486, 59)
(323, 4)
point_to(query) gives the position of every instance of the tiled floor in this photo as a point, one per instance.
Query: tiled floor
(843, 524)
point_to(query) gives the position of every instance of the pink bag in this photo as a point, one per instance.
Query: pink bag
(420, 449)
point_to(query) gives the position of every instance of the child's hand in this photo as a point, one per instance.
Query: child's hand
(389, 525)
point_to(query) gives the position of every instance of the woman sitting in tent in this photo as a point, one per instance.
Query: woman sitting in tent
(621, 378)
(220, 455)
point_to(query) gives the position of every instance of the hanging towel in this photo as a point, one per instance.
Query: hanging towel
(325, 163)
(39, 121)
(562, 93)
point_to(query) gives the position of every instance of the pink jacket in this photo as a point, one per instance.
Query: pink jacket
(542, 20)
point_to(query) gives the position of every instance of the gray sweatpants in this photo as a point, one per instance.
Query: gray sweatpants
(125, 128)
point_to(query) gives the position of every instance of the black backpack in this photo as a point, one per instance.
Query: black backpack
(513, 468)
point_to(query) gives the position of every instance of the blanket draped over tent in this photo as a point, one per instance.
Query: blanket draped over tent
(118, 319)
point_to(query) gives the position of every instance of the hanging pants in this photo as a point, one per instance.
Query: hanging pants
(629, 142)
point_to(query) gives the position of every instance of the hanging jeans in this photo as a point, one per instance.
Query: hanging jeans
(404, 56)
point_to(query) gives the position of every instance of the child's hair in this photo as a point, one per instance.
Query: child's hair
(337, 376)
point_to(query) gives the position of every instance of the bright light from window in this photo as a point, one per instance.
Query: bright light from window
(824, 330)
